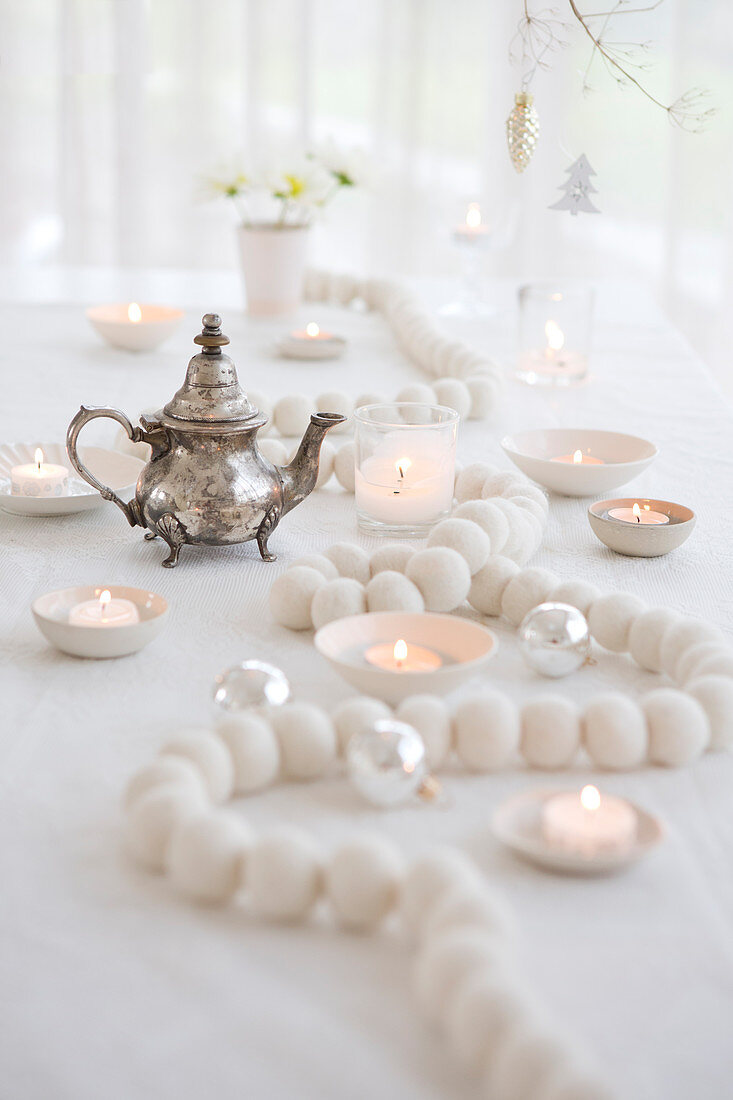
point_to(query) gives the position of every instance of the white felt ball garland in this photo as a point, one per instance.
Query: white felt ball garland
(453, 567)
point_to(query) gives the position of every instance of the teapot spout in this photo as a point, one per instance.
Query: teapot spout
(300, 476)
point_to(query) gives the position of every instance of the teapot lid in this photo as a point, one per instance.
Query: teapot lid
(211, 390)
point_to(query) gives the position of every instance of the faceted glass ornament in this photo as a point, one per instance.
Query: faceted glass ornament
(251, 684)
(386, 762)
(554, 639)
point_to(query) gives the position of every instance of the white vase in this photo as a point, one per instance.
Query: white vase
(273, 264)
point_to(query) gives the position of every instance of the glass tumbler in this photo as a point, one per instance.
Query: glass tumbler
(554, 333)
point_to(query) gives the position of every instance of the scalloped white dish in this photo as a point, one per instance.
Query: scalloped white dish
(119, 471)
(536, 453)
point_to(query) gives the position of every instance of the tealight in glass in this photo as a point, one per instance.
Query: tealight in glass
(554, 333)
(405, 457)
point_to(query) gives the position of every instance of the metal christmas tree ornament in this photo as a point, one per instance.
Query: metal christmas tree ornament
(554, 639)
(386, 762)
(522, 130)
(206, 482)
(251, 684)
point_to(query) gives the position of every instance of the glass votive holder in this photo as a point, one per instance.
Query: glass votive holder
(405, 457)
(554, 333)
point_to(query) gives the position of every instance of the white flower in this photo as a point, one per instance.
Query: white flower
(304, 183)
(349, 167)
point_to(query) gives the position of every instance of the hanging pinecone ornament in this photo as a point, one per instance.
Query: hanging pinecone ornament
(522, 130)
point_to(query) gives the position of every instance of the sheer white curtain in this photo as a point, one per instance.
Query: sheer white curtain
(113, 109)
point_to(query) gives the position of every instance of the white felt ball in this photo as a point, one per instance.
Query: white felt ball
(531, 506)
(521, 540)
(446, 961)
(284, 874)
(645, 636)
(391, 591)
(355, 715)
(362, 881)
(610, 619)
(550, 732)
(529, 588)
(336, 402)
(210, 756)
(718, 664)
(343, 467)
(320, 562)
(153, 817)
(263, 404)
(418, 392)
(715, 696)
(487, 1007)
(483, 394)
(291, 596)
(679, 730)
(486, 731)
(429, 878)
(489, 584)
(499, 480)
(344, 288)
(576, 1083)
(336, 600)
(615, 731)
(314, 285)
(692, 658)
(466, 538)
(369, 399)
(274, 450)
(578, 594)
(441, 575)
(393, 557)
(254, 750)
(429, 716)
(470, 481)
(292, 414)
(165, 771)
(478, 908)
(326, 462)
(455, 394)
(527, 491)
(683, 635)
(205, 856)
(530, 542)
(307, 739)
(350, 560)
(525, 1064)
(488, 516)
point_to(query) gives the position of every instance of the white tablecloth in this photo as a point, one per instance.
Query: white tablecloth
(112, 987)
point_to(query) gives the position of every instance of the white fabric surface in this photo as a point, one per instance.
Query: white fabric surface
(112, 987)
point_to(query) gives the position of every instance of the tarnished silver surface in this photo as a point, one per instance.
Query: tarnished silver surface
(206, 482)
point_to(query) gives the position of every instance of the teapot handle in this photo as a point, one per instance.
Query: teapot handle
(91, 412)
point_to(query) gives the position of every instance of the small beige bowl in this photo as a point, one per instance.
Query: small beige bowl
(114, 325)
(638, 540)
(624, 457)
(466, 644)
(51, 613)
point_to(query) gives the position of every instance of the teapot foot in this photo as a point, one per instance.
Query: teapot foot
(174, 534)
(150, 535)
(268, 525)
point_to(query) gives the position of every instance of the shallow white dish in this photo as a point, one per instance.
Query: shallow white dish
(113, 325)
(119, 471)
(516, 822)
(51, 612)
(641, 540)
(292, 347)
(624, 457)
(469, 645)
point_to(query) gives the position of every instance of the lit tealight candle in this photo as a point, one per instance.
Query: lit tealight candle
(312, 342)
(132, 326)
(473, 228)
(134, 313)
(588, 824)
(403, 658)
(577, 458)
(642, 515)
(39, 478)
(105, 611)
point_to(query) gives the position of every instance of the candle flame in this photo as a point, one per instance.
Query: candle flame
(637, 512)
(402, 465)
(554, 335)
(473, 215)
(590, 797)
(134, 313)
(400, 650)
(312, 329)
(577, 457)
(38, 457)
(105, 597)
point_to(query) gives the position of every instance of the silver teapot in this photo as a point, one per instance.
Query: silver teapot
(206, 481)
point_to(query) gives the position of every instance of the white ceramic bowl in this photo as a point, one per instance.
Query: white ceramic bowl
(641, 540)
(113, 325)
(467, 644)
(51, 613)
(517, 822)
(624, 457)
(119, 471)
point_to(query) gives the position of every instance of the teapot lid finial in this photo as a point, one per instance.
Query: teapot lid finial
(211, 391)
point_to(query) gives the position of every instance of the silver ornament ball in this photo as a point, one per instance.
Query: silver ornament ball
(386, 762)
(251, 684)
(554, 639)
